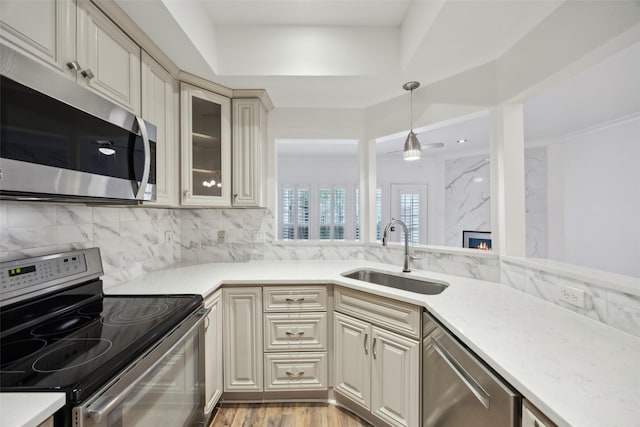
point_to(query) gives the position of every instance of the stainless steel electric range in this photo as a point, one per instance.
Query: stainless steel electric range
(121, 360)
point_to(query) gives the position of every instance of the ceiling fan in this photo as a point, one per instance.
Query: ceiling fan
(424, 147)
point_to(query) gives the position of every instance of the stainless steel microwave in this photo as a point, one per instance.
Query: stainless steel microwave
(61, 142)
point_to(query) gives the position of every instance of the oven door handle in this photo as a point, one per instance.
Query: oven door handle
(105, 404)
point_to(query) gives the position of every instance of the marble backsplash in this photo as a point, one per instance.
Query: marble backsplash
(604, 304)
(136, 240)
(131, 240)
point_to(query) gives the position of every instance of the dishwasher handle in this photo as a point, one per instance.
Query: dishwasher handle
(468, 380)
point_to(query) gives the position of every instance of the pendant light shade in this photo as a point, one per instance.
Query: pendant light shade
(412, 149)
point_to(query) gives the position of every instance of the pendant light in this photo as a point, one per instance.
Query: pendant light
(412, 148)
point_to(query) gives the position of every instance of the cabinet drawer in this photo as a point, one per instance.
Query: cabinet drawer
(393, 315)
(295, 331)
(301, 371)
(295, 298)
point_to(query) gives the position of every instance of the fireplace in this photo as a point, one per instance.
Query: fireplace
(476, 240)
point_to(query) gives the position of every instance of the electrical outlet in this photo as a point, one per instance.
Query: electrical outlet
(573, 296)
(222, 236)
(168, 237)
(258, 236)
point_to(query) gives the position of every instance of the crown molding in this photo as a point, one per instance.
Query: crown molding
(192, 79)
(254, 93)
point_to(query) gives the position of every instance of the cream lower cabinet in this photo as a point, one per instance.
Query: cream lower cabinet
(213, 369)
(242, 326)
(295, 338)
(373, 367)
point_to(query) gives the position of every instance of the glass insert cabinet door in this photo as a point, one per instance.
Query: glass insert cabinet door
(206, 147)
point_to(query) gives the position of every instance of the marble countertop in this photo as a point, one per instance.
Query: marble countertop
(579, 372)
(28, 409)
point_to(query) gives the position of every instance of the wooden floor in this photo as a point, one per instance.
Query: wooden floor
(285, 415)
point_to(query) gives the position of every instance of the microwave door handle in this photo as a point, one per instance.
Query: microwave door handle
(147, 158)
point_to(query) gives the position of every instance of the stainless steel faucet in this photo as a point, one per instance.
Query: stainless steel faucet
(385, 237)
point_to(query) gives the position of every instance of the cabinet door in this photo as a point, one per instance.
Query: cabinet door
(249, 137)
(45, 29)
(395, 387)
(159, 106)
(206, 147)
(109, 60)
(352, 361)
(213, 352)
(242, 339)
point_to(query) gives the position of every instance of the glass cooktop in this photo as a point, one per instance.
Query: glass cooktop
(77, 342)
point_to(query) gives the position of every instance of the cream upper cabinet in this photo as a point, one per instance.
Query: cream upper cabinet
(108, 58)
(78, 40)
(213, 352)
(243, 370)
(205, 147)
(249, 160)
(44, 29)
(160, 107)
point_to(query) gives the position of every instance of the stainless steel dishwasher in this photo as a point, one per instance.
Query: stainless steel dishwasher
(458, 390)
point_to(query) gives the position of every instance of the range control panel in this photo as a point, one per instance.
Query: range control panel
(20, 275)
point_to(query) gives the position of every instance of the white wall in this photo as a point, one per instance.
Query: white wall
(594, 196)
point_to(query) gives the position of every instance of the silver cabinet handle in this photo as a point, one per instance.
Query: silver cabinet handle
(73, 65)
(294, 334)
(366, 337)
(294, 300)
(147, 158)
(295, 374)
(87, 74)
(187, 194)
(373, 347)
(473, 386)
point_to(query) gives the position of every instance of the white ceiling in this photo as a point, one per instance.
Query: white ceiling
(334, 53)
(607, 91)
(355, 54)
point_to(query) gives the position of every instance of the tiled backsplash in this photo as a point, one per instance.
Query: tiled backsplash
(605, 304)
(136, 240)
(131, 240)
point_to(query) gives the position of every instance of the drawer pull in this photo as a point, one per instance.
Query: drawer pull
(294, 300)
(294, 334)
(295, 374)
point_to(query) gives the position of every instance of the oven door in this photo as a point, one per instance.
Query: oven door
(165, 387)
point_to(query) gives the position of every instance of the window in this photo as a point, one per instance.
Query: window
(332, 205)
(410, 215)
(409, 204)
(379, 214)
(317, 212)
(295, 213)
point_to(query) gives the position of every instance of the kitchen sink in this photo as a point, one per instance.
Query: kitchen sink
(398, 282)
